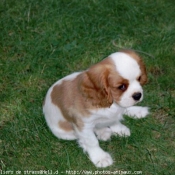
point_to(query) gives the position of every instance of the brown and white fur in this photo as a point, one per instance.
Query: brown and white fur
(89, 105)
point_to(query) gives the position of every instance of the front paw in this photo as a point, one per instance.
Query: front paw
(143, 112)
(121, 130)
(137, 111)
(102, 159)
(103, 133)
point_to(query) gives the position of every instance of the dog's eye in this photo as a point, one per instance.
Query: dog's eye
(139, 78)
(122, 87)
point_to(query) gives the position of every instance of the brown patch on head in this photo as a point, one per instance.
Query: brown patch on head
(102, 84)
(118, 86)
(65, 125)
(143, 77)
(94, 85)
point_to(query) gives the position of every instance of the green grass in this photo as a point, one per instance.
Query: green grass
(42, 41)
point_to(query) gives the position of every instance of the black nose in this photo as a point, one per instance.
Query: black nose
(137, 96)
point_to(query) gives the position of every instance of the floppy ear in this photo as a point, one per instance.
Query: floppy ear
(143, 78)
(95, 87)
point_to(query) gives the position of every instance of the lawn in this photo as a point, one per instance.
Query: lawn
(44, 40)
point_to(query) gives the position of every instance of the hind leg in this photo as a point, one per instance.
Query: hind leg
(61, 134)
(62, 129)
(58, 124)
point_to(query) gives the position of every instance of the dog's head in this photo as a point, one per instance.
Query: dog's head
(116, 79)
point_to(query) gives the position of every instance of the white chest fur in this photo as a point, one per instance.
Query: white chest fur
(106, 116)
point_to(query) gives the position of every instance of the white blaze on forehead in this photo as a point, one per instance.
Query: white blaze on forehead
(126, 66)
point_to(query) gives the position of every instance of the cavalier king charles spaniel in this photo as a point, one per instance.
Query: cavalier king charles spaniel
(90, 105)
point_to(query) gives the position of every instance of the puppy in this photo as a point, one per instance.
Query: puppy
(90, 105)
